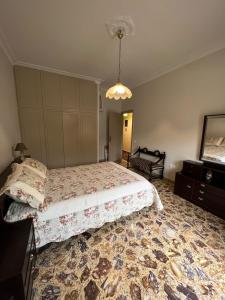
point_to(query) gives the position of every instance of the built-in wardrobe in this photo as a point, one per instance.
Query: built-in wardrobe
(58, 117)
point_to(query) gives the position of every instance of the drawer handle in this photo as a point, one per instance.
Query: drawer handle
(189, 186)
(200, 198)
(201, 192)
(202, 185)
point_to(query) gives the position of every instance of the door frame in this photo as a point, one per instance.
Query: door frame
(127, 112)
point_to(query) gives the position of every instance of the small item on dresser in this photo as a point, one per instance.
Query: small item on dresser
(208, 176)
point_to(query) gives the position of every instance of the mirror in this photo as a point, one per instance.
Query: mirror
(213, 139)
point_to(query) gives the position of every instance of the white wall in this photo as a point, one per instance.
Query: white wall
(9, 123)
(108, 106)
(168, 111)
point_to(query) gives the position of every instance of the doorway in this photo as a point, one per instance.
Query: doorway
(127, 134)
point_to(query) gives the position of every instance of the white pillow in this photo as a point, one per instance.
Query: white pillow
(36, 166)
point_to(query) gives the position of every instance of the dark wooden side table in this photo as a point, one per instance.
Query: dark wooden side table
(17, 260)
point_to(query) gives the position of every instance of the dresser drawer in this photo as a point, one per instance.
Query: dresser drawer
(210, 198)
(203, 188)
(184, 186)
(192, 169)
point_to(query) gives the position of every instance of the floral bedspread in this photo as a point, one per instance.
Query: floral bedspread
(85, 197)
(86, 179)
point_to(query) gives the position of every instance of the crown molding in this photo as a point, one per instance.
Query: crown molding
(98, 81)
(6, 48)
(179, 66)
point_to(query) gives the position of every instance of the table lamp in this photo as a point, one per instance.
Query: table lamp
(21, 147)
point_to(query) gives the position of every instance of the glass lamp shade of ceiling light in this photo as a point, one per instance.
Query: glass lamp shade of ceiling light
(119, 90)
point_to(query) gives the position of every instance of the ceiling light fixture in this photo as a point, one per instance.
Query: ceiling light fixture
(119, 90)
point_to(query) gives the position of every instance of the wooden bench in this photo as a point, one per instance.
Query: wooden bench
(154, 166)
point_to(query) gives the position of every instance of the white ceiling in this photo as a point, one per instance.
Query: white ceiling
(70, 35)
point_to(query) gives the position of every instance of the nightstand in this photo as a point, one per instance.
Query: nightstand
(17, 260)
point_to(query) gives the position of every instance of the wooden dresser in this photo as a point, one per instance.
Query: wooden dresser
(203, 185)
(17, 260)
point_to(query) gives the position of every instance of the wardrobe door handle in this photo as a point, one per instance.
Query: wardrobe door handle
(200, 198)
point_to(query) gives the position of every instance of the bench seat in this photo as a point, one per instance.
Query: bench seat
(141, 163)
(154, 166)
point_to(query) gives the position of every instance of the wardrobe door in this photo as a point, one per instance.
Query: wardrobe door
(70, 93)
(32, 131)
(28, 84)
(88, 96)
(51, 90)
(71, 139)
(54, 138)
(88, 137)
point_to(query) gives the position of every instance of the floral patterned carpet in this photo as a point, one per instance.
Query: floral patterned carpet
(178, 253)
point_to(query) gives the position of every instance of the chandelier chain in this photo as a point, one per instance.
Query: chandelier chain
(119, 60)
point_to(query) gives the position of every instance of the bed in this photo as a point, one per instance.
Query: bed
(84, 197)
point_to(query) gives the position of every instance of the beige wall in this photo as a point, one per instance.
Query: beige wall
(9, 124)
(168, 111)
(108, 106)
(127, 132)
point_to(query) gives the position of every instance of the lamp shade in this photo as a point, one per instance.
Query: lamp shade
(119, 91)
(20, 147)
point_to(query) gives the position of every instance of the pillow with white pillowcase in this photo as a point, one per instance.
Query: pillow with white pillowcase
(25, 186)
(36, 166)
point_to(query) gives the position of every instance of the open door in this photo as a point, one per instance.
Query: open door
(115, 136)
(127, 134)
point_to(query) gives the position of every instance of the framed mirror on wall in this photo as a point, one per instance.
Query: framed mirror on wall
(213, 140)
